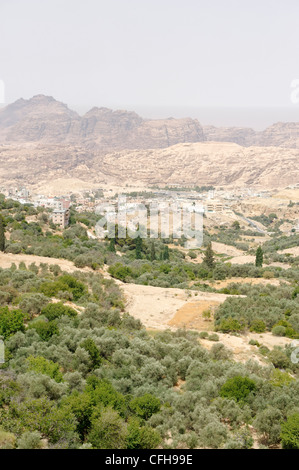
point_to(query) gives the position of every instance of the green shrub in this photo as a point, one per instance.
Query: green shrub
(203, 335)
(94, 353)
(213, 337)
(278, 358)
(145, 406)
(238, 388)
(141, 437)
(279, 330)
(64, 283)
(253, 342)
(267, 423)
(57, 310)
(108, 431)
(290, 432)
(11, 321)
(44, 366)
(7, 440)
(45, 329)
(264, 350)
(229, 325)
(120, 271)
(33, 303)
(30, 440)
(280, 378)
(258, 326)
(102, 392)
(220, 352)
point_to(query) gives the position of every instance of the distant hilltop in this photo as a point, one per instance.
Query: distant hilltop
(45, 120)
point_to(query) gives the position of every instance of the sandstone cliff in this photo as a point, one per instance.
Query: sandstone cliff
(281, 134)
(45, 120)
(205, 163)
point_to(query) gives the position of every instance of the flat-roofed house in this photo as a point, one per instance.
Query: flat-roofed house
(61, 217)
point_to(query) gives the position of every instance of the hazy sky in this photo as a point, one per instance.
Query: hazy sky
(169, 54)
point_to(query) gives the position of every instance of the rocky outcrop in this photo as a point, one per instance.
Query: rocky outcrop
(45, 120)
(239, 135)
(281, 134)
(204, 163)
(278, 135)
(39, 119)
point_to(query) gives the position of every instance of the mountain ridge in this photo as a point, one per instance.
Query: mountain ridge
(196, 164)
(46, 120)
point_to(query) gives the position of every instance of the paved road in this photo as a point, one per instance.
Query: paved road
(250, 222)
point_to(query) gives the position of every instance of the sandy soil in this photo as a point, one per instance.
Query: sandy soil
(281, 265)
(160, 308)
(6, 260)
(288, 194)
(244, 280)
(293, 251)
(190, 315)
(62, 186)
(164, 308)
(154, 306)
(251, 260)
(226, 249)
(243, 259)
(241, 350)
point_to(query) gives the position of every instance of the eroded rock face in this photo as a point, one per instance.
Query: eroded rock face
(39, 119)
(43, 119)
(42, 139)
(203, 163)
(281, 134)
(278, 135)
(239, 135)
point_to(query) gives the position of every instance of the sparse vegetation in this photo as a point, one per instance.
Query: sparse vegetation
(80, 372)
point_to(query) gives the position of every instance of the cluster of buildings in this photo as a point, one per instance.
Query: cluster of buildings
(60, 206)
(20, 194)
(209, 201)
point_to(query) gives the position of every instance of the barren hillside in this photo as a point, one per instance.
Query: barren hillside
(219, 164)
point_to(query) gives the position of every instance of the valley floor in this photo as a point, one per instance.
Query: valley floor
(161, 308)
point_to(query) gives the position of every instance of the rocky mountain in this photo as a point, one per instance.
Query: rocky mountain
(205, 163)
(239, 135)
(45, 120)
(41, 139)
(39, 119)
(281, 134)
(278, 135)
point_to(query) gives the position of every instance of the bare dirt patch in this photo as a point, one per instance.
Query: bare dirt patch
(226, 249)
(190, 316)
(6, 260)
(244, 259)
(281, 265)
(153, 306)
(244, 280)
(241, 350)
(156, 307)
(292, 251)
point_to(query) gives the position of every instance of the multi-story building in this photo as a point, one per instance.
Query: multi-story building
(61, 217)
